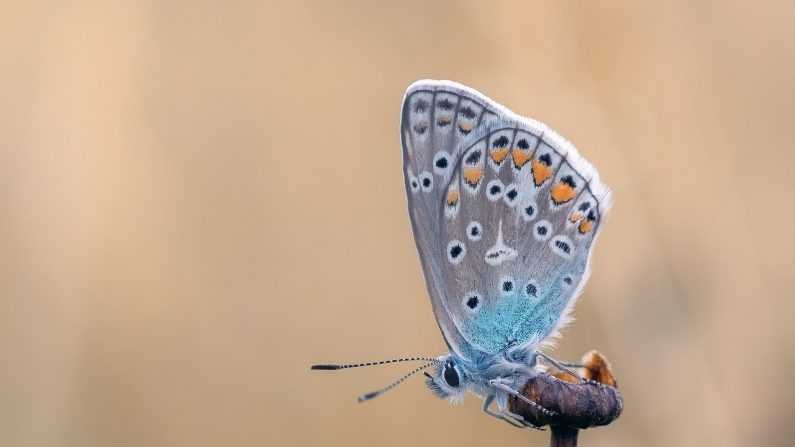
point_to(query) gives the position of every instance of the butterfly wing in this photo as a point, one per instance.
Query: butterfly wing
(437, 116)
(505, 227)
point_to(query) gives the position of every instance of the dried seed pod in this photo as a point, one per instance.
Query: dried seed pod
(577, 404)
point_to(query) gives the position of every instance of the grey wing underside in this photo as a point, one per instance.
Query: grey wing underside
(436, 118)
(504, 226)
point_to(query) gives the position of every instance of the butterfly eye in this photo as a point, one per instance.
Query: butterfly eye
(451, 375)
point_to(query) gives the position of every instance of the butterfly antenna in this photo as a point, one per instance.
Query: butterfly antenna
(397, 382)
(382, 362)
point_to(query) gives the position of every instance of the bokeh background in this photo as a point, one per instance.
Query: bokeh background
(200, 199)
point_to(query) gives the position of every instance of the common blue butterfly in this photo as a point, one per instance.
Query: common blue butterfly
(505, 213)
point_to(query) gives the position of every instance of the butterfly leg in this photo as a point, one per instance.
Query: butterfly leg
(572, 364)
(487, 402)
(496, 383)
(511, 418)
(563, 367)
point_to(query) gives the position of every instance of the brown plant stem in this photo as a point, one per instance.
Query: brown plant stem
(563, 437)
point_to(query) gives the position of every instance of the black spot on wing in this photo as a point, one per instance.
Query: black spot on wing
(468, 113)
(445, 104)
(420, 106)
(474, 157)
(455, 251)
(546, 159)
(474, 231)
(501, 142)
(569, 180)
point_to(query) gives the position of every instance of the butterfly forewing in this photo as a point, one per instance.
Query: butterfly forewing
(504, 213)
(436, 118)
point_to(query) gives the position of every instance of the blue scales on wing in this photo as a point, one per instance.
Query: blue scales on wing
(504, 213)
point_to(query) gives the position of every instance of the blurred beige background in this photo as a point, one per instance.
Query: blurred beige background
(201, 199)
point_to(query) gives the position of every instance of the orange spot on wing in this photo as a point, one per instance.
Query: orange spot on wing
(452, 197)
(443, 120)
(575, 217)
(520, 157)
(541, 172)
(499, 155)
(466, 127)
(473, 175)
(562, 193)
(585, 226)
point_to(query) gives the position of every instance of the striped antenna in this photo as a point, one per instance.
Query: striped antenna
(382, 362)
(369, 396)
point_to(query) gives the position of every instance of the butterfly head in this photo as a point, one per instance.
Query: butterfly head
(450, 381)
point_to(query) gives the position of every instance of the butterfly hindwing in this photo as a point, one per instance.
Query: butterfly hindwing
(505, 227)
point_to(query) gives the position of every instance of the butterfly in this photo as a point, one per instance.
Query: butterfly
(505, 213)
